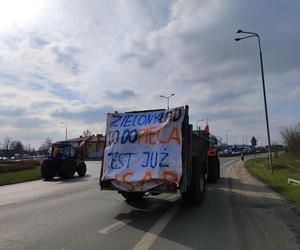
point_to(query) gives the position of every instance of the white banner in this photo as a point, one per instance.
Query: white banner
(143, 150)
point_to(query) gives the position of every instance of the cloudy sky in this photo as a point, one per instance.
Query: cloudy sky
(74, 61)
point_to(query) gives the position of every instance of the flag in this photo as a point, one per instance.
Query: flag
(81, 144)
(206, 129)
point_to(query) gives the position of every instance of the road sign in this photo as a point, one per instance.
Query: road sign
(253, 141)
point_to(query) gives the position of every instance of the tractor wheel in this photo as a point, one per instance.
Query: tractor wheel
(67, 169)
(47, 170)
(132, 196)
(212, 174)
(195, 192)
(81, 169)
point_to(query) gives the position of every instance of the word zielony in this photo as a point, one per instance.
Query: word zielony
(151, 135)
(138, 120)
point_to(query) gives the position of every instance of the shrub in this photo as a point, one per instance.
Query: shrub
(291, 137)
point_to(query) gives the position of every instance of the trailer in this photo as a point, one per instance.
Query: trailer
(156, 151)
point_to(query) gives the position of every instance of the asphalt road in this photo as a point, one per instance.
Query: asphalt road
(239, 212)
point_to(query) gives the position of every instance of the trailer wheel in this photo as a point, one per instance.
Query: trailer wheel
(47, 170)
(81, 169)
(195, 192)
(67, 169)
(132, 196)
(212, 174)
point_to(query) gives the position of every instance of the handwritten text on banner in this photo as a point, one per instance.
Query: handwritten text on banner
(143, 150)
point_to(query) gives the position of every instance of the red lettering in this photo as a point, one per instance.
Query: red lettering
(147, 176)
(170, 174)
(151, 135)
(158, 135)
(131, 187)
(142, 133)
(174, 135)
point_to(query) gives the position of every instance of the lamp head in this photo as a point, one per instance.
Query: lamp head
(237, 39)
(239, 31)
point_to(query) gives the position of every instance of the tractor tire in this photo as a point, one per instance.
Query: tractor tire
(132, 196)
(195, 192)
(81, 169)
(47, 170)
(67, 169)
(212, 173)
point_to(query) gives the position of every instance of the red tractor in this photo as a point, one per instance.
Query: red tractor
(213, 171)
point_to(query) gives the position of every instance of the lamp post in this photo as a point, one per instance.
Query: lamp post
(253, 34)
(66, 129)
(168, 98)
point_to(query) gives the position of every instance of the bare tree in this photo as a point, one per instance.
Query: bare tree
(17, 147)
(45, 145)
(291, 137)
(6, 143)
(87, 133)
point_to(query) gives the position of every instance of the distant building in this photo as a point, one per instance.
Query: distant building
(93, 145)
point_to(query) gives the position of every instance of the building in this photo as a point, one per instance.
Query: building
(93, 145)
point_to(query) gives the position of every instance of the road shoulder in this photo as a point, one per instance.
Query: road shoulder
(259, 211)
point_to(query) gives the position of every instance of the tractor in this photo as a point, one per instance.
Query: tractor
(63, 160)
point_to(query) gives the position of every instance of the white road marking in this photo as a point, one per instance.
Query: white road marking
(156, 229)
(114, 227)
(228, 163)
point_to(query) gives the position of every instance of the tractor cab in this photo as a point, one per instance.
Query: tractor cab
(61, 150)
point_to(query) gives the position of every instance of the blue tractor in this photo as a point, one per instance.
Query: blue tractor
(63, 160)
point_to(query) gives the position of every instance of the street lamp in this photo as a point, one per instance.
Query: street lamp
(167, 97)
(252, 34)
(66, 129)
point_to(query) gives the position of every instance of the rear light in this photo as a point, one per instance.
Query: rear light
(212, 152)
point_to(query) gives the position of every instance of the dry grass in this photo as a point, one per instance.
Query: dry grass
(291, 137)
(285, 167)
(11, 166)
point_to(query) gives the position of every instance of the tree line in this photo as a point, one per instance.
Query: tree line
(10, 147)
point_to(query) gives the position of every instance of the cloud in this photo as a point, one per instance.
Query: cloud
(63, 92)
(11, 111)
(29, 123)
(122, 94)
(38, 43)
(77, 62)
(66, 56)
(87, 113)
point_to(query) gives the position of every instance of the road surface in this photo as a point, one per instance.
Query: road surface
(239, 212)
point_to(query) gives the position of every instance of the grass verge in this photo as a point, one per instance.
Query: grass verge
(10, 166)
(284, 167)
(20, 176)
